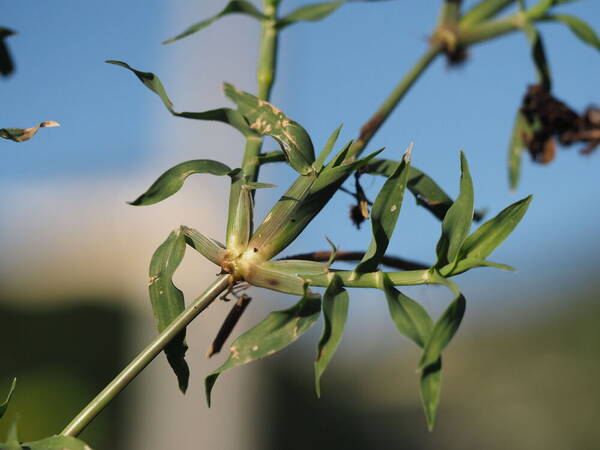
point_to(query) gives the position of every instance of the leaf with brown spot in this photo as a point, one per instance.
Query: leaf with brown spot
(277, 331)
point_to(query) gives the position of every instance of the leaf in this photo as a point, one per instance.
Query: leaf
(457, 222)
(172, 180)
(167, 300)
(277, 331)
(225, 115)
(335, 313)
(266, 119)
(310, 13)
(580, 28)
(282, 276)
(4, 404)
(240, 219)
(426, 191)
(207, 247)
(233, 7)
(6, 63)
(384, 215)
(539, 56)
(515, 150)
(492, 233)
(57, 443)
(327, 149)
(410, 317)
(24, 134)
(443, 331)
(484, 10)
(431, 381)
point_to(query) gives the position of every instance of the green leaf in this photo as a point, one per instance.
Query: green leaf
(426, 191)
(207, 247)
(266, 119)
(539, 56)
(580, 28)
(277, 331)
(443, 331)
(310, 13)
(283, 276)
(484, 10)
(384, 215)
(12, 437)
(515, 150)
(172, 180)
(431, 382)
(233, 7)
(24, 134)
(410, 317)
(167, 300)
(457, 222)
(492, 233)
(4, 404)
(225, 115)
(327, 149)
(240, 219)
(57, 443)
(6, 63)
(335, 312)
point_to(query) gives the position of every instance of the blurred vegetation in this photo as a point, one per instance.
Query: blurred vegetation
(527, 384)
(62, 356)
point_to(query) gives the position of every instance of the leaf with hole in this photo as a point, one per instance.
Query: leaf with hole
(277, 331)
(167, 300)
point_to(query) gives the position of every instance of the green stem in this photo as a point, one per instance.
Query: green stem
(387, 107)
(88, 413)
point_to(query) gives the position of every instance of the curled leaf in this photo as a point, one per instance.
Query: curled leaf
(224, 115)
(335, 313)
(430, 388)
(172, 180)
(24, 134)
(167, 300)
(207, 247)
(266, 119)
(277, 331)
(233, 7)
(539, 56)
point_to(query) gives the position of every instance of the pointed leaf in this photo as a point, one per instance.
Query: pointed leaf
(24, 134)
(207, 247)
(539, 55)
(240, 219)
(57, 443)
(431, 381)
(443, 331)
(426, 191)
(580, 28)
(285, 276)
(266, 119)
(277, 331)
(492, 233)
(6, 63)
(311, 13)
(233, 7)
(327, 149)
(517, 144)
(4, 404)
(335, 313)
(457, 222)
(484, 10)
(167, 300)
(225, 115)
(172, 180)
(410, 317)
(384, 215)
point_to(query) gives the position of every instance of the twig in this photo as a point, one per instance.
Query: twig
(389, 261)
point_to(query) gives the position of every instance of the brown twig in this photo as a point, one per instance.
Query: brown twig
(389, 261)
(228, 325)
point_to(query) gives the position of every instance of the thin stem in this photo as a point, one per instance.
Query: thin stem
(389, 261)
(387, 107)
(145, 357)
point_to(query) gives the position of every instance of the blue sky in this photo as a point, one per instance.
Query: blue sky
(331, 72)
